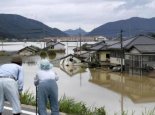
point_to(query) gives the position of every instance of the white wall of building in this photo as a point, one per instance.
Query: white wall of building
(59, 46)
(116, 60)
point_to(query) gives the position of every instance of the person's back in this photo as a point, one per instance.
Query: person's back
(47, 88)
(48, 74)
(11, 84)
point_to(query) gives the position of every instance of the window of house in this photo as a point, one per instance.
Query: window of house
(108, 56)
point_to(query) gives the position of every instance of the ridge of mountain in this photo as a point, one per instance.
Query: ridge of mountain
(75, 32)
(16, 26)
(131, 27)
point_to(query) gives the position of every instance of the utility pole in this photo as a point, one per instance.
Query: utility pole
(80, 43)
(80, 55)
(43, 36)
(67, 47)
(122, 52)
(2, 40)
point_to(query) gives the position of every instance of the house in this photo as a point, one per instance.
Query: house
(84, 47)
(96, 54)
(72, 69)
(140, 59)
(50, 42)
(71, 65)
(116, 53)
(101, 38)
(84, 55)
(57, 46)
(102, 54)
(29, 50)
(137, 45)
(70, 60)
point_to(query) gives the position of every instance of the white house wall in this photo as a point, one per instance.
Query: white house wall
(103, 56)
(25, 52)
(116, 61)
(134, 51)
(59, 46)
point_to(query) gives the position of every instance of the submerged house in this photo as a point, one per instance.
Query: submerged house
(57, 46)
(70, 60)
(102, 53)
(85, 56)
(140, 59)
(71, 70)
(116, 53)
(133, 52)
(29, 50)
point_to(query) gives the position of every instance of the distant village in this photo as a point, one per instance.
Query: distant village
(46, 39)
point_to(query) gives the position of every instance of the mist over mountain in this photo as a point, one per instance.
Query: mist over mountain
(16, 26)
(76, 32)
(131, 27)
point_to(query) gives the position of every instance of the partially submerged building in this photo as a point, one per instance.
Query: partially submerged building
(29, 50)
(57, 46)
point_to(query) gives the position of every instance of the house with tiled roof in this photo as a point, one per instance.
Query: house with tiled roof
(57, 46)
(28, 50)
(140, 58)
(101, 51)
(137, 53)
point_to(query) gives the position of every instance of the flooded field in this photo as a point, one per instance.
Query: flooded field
(97, 87)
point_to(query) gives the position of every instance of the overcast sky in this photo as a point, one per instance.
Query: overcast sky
(72, 14)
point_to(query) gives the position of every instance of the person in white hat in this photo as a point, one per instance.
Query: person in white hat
(45, 80)
(11, 84)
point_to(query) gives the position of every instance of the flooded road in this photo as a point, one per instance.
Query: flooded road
(97, 87)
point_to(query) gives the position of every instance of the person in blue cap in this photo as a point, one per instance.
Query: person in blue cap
(45, 80)
(11, 84)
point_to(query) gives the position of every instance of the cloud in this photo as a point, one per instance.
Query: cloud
(128, 4)
(136, 8)
(71, 14)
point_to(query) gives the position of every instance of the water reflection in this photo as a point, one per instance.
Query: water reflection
(139, 89)
(72, 70)
(31, 60)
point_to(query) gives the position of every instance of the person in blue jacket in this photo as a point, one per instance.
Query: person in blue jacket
(11, 84)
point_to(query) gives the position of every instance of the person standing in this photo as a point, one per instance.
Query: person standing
(11, 84)
(45, 80)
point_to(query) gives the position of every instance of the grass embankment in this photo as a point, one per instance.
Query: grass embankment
(67, 105)
(71, 107)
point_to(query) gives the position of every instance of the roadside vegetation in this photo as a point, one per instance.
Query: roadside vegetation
(72, 107)
(67, 105)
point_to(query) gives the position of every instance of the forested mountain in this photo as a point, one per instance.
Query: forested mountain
(76, 32)
(131, 27)
(16, 26)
